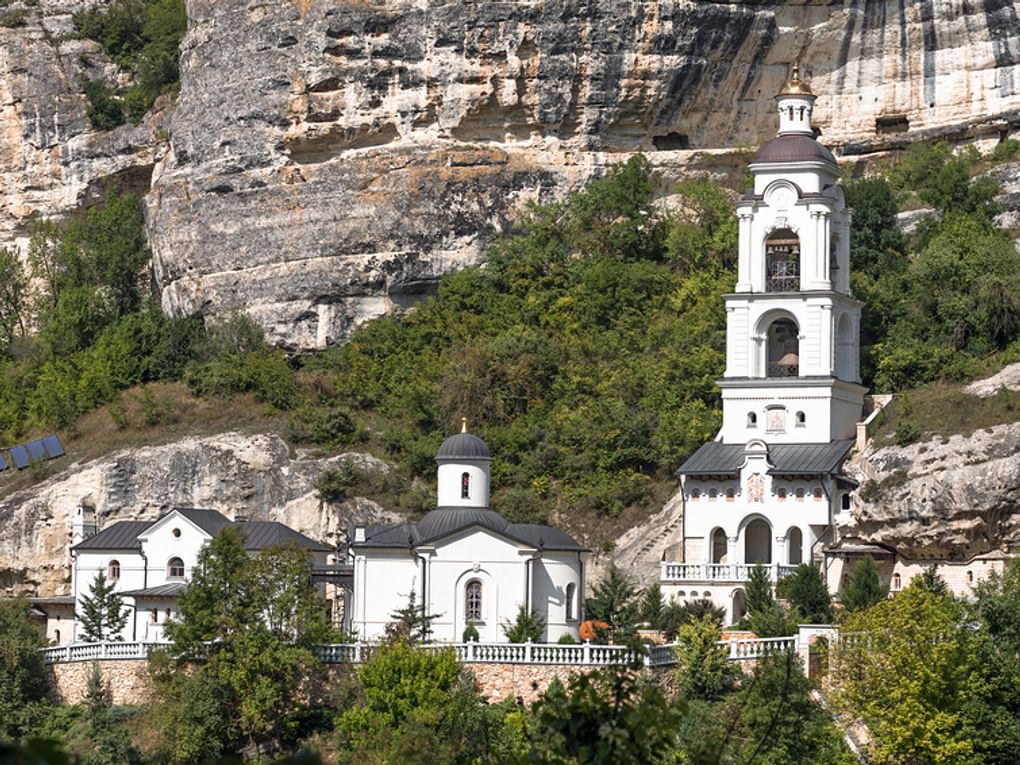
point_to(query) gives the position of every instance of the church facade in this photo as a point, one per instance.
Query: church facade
(464, 563)
(767, 488)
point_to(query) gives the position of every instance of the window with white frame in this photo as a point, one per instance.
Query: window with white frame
(175, 569)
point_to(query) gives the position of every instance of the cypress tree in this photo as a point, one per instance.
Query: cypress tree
(613, 603)
(808, 594)
(102, 615)
(652, 606)
(759, 590)
(863, 588)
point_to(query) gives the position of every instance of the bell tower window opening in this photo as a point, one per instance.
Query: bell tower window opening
(783, 349)
(465, 486)
(752, 420)
(782, 261)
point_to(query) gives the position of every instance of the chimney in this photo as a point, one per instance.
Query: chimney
(359, 534)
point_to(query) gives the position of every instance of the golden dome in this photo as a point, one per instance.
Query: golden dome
(795, 86)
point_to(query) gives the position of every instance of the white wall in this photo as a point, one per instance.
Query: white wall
(91, 562)
(383, 579)
(160, 544)
(449, 484)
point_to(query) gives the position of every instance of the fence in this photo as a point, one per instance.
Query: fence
(719, 572)
(582, 655)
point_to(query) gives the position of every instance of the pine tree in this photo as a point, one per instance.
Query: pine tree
(759, 590)
(652, 606)
(808, 594)
(933, 583)
(863, 588)
(97, 695)
(527, 627)
(102, 615)
(613, 603)
(411, 623)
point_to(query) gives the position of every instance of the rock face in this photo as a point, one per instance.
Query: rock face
(233, 473)
(326, 162)
(51, 159)
(946, 498)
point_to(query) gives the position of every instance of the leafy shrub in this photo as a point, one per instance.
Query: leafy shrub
(13, 19)
(567, 639)
(332, 484)
(470, 634)
(526, 627)
(907, 433)
(105, 110)
(1005, 150)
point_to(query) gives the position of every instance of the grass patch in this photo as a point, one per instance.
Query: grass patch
(944, 410)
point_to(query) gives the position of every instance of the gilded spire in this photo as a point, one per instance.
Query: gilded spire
(463, 424)
(795, 86)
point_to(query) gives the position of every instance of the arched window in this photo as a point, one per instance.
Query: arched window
(720, 546)
(465, 485)
(791, 112)
(175, 568)
(712, 494)
(970, 577)
(844, 501)
(781, 495)
(569, 602)
(113, 570)
(56, 636)
(896, 582)
(782, 261)
(695, 495)
(801, 419)
(818, 495)
(783, 349)
(752, 420)
(730, 495)
(800, 495)
(802, 114)
(154, 615)
(473, 601)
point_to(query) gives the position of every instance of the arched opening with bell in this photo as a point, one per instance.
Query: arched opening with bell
(782, 261)
(783, 349)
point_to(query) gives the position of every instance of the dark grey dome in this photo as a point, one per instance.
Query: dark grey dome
(463, 446)
(444, 521)
(794, 147)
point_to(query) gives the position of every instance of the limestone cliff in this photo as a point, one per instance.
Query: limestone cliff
(233, 473)
(327, 161)
(945, 498)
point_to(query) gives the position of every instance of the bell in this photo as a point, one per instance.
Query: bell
(789, 359)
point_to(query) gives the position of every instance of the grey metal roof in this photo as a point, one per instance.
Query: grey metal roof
(718, 459)
(444, 521)
(210, 521)
(172, 590)
(548, 538)
(793, 147)
(464, 446)
(52, 600)
(123, 535)
(261, 534)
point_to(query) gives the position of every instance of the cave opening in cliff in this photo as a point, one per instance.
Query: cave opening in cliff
(671, 142)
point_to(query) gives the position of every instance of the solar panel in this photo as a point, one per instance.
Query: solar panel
(19, 455)
(53, 446)
(3, 463)
(35, 451)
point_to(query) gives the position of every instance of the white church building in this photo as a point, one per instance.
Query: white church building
(466, 564)
(767, 488)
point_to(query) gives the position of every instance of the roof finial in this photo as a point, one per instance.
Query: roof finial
(463, 424)
(795, 74)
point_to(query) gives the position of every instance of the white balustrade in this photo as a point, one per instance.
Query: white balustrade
(719, 572)
(583, 655)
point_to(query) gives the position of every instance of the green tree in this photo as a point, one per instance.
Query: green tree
(808, 594)
(606, 717)
(412, 623)
(23, 684)
(100, 738)
(527, 627)
(256, 619)
(702, 668)
(103, 615)
(915, 670)
(613, 603)
(863, 588)
(997, 604)
(652, 606)
(14, 300)
(933, 583)
(676, 614)
(758, 595)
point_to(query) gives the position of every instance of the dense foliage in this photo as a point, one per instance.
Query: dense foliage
(142, 36)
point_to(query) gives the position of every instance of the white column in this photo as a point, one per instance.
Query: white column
(779, 551)
(731, 550)
(827, 351)
(744, 253)
(823, 250)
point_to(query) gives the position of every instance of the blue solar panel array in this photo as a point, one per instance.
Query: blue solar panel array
(23, 455)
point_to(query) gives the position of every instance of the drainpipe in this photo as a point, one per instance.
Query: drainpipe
(529, 574)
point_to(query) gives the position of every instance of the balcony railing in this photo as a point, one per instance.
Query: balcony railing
(719, 572)
(782, 370)
(581, 655)
(782, 283)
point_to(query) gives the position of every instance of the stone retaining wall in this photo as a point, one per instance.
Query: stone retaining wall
(129, 681)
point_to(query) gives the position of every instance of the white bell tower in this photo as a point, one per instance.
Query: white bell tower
(792, 350)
